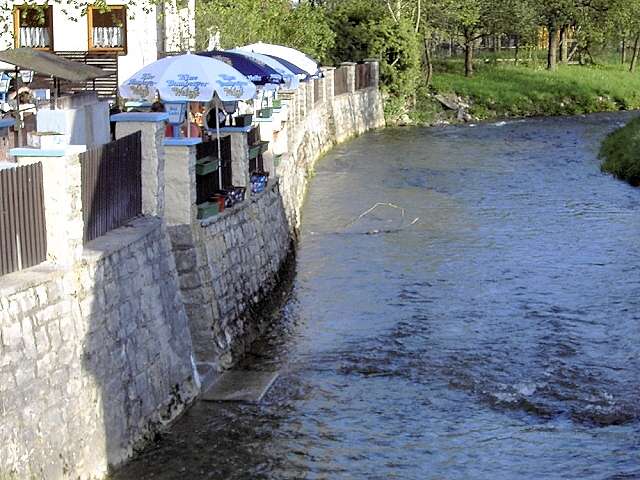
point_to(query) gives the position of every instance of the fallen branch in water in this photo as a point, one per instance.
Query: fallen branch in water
(376, 232)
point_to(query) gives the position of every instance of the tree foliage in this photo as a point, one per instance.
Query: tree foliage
(240, 22)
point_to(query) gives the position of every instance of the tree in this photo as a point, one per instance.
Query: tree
(303, 26)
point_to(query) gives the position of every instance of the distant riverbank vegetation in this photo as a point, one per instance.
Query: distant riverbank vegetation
(457, 60)
(620, 153)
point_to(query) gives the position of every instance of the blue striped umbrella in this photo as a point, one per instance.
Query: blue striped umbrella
(259, 73)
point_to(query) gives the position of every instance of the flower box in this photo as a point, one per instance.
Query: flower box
(207, 209)
(207, 167)
(266, 112)
(277, 103)
(244, 120)
(258, 149)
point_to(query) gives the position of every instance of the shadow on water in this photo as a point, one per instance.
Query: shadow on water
(496, 337)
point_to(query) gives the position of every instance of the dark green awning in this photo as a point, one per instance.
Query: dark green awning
(50, 64)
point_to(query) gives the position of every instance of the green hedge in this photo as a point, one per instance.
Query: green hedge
(621, 153)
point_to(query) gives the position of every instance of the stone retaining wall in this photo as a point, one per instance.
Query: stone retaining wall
(228, 265)
(93, 358)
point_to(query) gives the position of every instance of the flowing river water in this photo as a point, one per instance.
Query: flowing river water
(495, 337)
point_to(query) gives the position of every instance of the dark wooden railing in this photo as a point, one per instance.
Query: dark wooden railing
(23, 232)
(364, 76)
(340, 81)
(111, 185)
(317, 90)
(208, 184)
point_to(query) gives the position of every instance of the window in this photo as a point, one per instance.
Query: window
(33, 26)
(108, 28)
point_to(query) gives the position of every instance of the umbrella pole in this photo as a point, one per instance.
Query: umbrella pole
(188, 122)
(18, 116)
(219, 152)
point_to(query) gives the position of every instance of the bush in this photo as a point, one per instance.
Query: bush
(621, 153)
(365, 30)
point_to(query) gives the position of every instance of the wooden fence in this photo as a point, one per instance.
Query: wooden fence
(23, 233)
(340, 81)
(364, 76)
(111, 185)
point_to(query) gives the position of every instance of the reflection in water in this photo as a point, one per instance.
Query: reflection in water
(496, 337)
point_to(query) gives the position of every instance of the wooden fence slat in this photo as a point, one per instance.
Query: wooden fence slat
(23, 241)
(111, 185)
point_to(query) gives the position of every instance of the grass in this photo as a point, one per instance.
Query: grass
(621, 153)
(499, 90)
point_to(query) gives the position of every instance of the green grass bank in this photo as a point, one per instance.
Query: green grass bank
(503, 91)
(620, 153)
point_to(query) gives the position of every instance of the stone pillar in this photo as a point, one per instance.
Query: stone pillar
(240, 160)
(302, 100)
(351, 75)
(151, 126)
(375, 71)
(180, 177)
(62, 189)
(309, 99)
(329, 85)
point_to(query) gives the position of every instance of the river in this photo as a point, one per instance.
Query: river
(484, 325)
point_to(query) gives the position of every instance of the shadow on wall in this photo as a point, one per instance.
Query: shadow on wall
(137, 346)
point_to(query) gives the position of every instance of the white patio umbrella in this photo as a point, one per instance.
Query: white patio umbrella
(290, 78)
(292, 55)
(190, 78)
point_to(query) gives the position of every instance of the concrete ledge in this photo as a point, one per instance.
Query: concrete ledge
(140, 117)
(181, 142)
(120, 238)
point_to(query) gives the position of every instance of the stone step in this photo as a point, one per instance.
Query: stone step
(240, 386)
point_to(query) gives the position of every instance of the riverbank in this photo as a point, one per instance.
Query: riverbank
(504, 91)
(620, 153)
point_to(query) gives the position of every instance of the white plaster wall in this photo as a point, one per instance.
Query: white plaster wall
(70, 35)
(85, 125)
(142, 39)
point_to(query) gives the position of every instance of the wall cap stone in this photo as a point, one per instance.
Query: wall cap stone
(119, 239)
(29, 278)
(7, 122)
(231, 129)
(181, 142)
(140, 117)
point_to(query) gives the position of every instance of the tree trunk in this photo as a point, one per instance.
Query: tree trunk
(428, 62)
(564, 44)
(468, 57)
(636, 51)
(623, 51)
(552, 54)
(517, 50)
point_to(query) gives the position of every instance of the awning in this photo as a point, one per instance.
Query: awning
(50, 64)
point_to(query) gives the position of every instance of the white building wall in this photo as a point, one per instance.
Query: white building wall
(70, 35)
